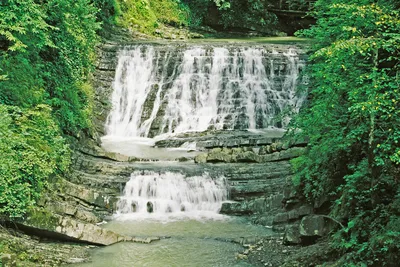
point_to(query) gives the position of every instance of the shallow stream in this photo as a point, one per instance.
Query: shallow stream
(184, 243)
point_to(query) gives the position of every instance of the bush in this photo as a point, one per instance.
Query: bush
(31, 151)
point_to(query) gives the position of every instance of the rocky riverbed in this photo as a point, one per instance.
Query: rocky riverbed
(272, 252)
(20, 249)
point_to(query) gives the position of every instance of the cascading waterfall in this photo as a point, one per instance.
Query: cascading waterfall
(165, 195)
(176, 90)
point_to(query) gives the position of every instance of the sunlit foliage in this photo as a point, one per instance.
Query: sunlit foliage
(353, 123)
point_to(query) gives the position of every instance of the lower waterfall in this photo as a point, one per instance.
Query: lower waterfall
(171, 195)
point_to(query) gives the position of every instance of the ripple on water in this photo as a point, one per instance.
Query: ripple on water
(190, 243)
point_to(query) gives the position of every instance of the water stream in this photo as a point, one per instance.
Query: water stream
(169, 196)
(164, 91)
(189, 243)
(170, 89)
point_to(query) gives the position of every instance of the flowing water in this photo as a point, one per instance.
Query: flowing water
(184, 213)
(163, 91)
(172, 90)
(171, 196)
(189, 243)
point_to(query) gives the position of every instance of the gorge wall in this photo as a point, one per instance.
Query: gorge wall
(206, 97)
(210, 110)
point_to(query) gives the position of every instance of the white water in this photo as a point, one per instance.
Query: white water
(170, 91)
(172, 196)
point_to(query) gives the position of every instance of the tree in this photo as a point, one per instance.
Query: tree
(353, 122)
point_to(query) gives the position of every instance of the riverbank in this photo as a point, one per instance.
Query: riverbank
(19, 249)
(272, 252)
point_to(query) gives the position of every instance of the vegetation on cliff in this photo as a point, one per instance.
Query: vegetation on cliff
(353, 122)
(146, 16)
(46, 54)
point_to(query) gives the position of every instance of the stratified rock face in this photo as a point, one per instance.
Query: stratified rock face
(148, 90)
(161, 89)
(87, 233)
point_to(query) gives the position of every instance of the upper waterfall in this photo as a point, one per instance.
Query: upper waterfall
(184, 89)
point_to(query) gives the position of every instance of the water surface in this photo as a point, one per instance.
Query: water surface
(190, 243)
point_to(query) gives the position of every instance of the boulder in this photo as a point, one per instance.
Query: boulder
(292, 235)
(314, 226)
(300, 212)
(235, 208)
(281, 218)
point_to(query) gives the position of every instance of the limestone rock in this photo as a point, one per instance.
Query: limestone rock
(222, 156)
(281, 218)
(300, 212)
(88, 195)
(314, 226)
(292, 235)
(201, 158)
(87, 232)
(235, 208)
(56, 226)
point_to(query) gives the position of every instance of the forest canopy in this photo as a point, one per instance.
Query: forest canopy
(353, 123)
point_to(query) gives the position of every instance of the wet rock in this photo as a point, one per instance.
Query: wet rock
(133, 206)
(235, 208)
(314, 226)
(87, 195)
(201, 158)
(41, 222)
(281, 218)
(149, 207)
(300, 212)
(183, 159)
(292, 235)
(116, 156)
(75, 260)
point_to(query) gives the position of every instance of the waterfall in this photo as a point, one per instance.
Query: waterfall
(171, 195)
(174, 89)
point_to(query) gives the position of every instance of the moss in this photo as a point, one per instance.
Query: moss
(41, 218)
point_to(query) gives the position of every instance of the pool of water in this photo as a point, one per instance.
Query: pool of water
(184, 243)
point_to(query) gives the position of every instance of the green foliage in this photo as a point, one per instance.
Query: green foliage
(146, 15)
(23, 25)
(353, 124)
(251, 14)
(197, 11)
(32, 150)
(109, 11)
(47, 51)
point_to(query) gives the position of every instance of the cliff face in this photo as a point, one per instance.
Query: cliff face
(257, 166)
